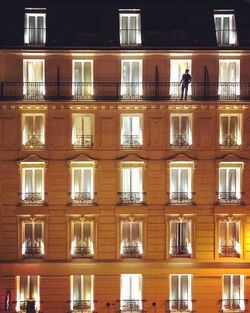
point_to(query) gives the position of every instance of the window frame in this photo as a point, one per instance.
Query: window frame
(82, 222)
(189, 291)
(43, 134)
(141, 122)
(82, 61)
(18, 293)
(81, 291)
(190, 137)
(83, 115)
(33, 223)
(132, 94)
(232, 20)
(138, 40)
(27, 26)
(239, 131)
(41, 88)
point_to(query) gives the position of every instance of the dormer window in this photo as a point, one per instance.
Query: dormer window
(35, 27)
(225, 28)
(130, 28)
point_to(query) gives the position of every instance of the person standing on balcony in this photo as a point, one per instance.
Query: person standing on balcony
(185, 81)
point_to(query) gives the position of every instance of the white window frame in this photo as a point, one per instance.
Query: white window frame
(20, 298)
(33, 223)
(83, 115)
(91, 235)
(81, 293)
(25, 78)
(26, 32)
(181, 166)
(232, 36)
(82, 166)
(132, 296)
(189, 115)
(140, 243)
(92, 76)
(124, 93)
(234, 166)
(228, 89)
(189, 300)
(227, 222)
(33, 115)
(140, 139)
(26, 167)
(138, 29)
(189, 246)
(242, 292)
(239, 132)
(131, 177)
(175, 87)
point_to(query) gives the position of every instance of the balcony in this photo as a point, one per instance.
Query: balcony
(82, 141)
(32, 198)
(82, 252)
(35, 36)
(185, 198)
(130, 37)
(229, 251)
(233, 305)
(229, 141)
(131, 305)
(81, 305)
(28, 306)
(131, 141)
(108, 91)
(127, 198)
(33, 252)
(179, 252)
(180, 141)
(229, 197)
(131, 252)
(180, 305)
(83, 198)
(34, 141)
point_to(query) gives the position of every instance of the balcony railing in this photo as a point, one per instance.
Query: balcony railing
(131, 141)
(33, 252)
(229, 141)
(180, 141)
(131, 305)
(82, 141)
(83, 198)
(228, 251)
(181, 198)
(130, 37)
(226, 37)
(233, 305)
(131, 198)
(116, 91)
(82, 252)
(35, 35)
(28, 306)
(81, 305)
(179, 252)
(33, 198)
(229, 197)
(180, 305)
(34, 141)
(131, 252)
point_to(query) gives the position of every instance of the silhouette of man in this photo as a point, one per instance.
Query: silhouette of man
(185, 81)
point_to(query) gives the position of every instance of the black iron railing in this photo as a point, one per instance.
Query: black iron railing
(29, 305)
(131, 252)
(179, 252)
(34, 141)
(33, 251)
(180, 305)
(233, 305)
(181, 197)
(131, 305)
(82, 141)
(229, 141)
(130, 37)
(131, 141)
(83, 198)
(229, 197)
(229, 91)
(35, 35)
(228, 251)
(81, 305)
(226, 37)
(131, 198)
(180, 141)
(82, 252)
(32, 198)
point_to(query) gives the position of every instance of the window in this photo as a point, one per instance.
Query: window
(33, 130)
(82, 79)
(230, 183)
(180, 238)
(28, 293)
(33, 79)
(82, 130)
(32, 239)
(180, 293)
(131, 85)
(82, 293)
(82, 239)
(230, 130)
(131, 131)
(181, 130)
(233, 293)
(131, 185)
(35, 28)
(33, 183)
(130, 29)
(131, 292)
(229, 238)
(82, 189)
(225, 28)
(177, 69)
(181, 183)
(229, 78)
(131, 239)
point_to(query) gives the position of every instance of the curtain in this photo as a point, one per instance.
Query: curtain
(234, 128)
(125, 287)
(87, 91)
(226, 287)
(126, 179)
(28, 235)
(76, 287)
(223, 176)
(77, 129)
(87, 290)
(236, 287)
(87, 180)
(218, 29)
(183, 184)
(136, 179)
(174, 180)
(24, 288)
(224, 129)
(38, 173)
(77, 180)
(232, 180)
(135, 287)
(173, 236)
(185, 128)
(135, 234)
(86, 234)
(126, 129)
(38, 236)
(137, 128)
(40, 29)
(174, 287)
(184, 287)
(125, 235)
(78, 72)
(34, 288)
(233, 33)
(135, 78)
(174, 129)
(87, 125)
(28, 178)
(28, 129)
(222, 235)
(226, 30)
(32, 29)
(39, 127)
(76, 242)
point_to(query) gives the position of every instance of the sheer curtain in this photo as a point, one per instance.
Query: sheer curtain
(224, 130)
(38, 182)
(229, 72)
(76, 288)
(77, 78)
(174, 130)
(38, 236)
(126, 179)
(136, 179)
(186, 129)
(125, 288)
(27, 240)
(183, 184)
(28, 129)
(76, 242)
(136, 288)
(174, 180)
(137, 128)
(232, 180)
(126, 129)
(39, 128)
(28, 182)
(125, 235)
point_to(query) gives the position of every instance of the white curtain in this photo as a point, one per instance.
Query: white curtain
(136, 181)
(137, 128)
(229, 72)
(174, 180)
(82, 76)
(131, 77)
(82, 180)
(125, 287)
(82, 126)
(76, 287)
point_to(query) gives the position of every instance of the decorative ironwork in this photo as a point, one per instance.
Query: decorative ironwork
(34, 90)
(181, 197)
(131, 252)
(180, 141)
(25, 305)
(179, 252)
(131, 141)
(132, 305)
(82, 90)
(34, 141)
(33, 251)
(229, 251)
(82, 252)
(83, 198)
(81, 305)
(229, 141)
(83, 141)
(131, 197)
(229, 197)
(180, 305)
(32, 198)
(233, 305)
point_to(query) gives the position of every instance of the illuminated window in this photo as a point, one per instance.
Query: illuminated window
(131, 80)
(229, 78)
(35, 28)
(33, 130)
(233, 293)
(180, 293)
(82, 239)
(82, 79)
(131, 292)
(180, 238)
(32, 239)
(33, 78)
(131, 130)
(28, 293)
(229, 238)
(130, 29)
(181, 130)
(82, 293)
(230, 130)
(225, 28)
(82, 183)
(82, 130)
(177, 69)
(131, 239)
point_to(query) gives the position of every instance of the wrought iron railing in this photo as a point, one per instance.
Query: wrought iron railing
(82, 252)
(179, 252)
(34, 141)
(83, 198)
(131, 141)
(130, 37)
(229, 141)
(28, 306)
(180, 305)
(81, 305)
(32, 198)
(33, 251)
(131, 305)
(131, 252)
(229, 197)
(229, 91)
(180, 141)
(233, 305)
(226, 37)
(131, 198)
(35, 35)
(228, 251)
(82, 141)
(181, 197)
